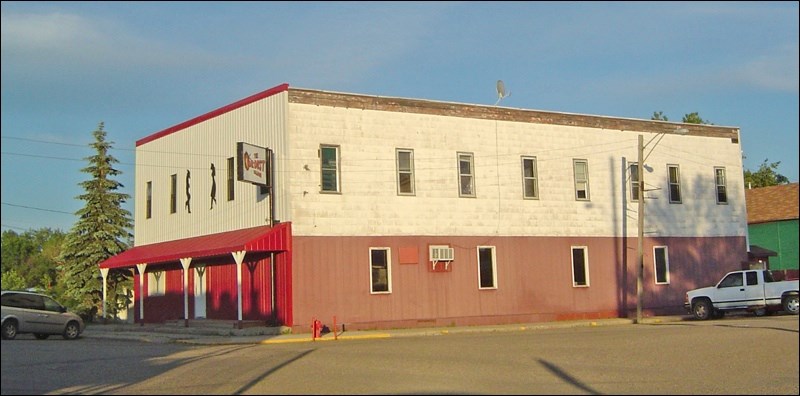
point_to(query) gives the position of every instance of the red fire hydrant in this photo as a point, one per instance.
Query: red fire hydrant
(316, 329)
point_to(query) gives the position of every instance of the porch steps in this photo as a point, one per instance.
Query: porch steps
(215, 323)
(213, 327)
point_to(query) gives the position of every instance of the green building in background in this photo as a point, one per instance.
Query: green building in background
(772, 223)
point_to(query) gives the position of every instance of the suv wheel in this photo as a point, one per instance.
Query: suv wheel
(9, 329)
(72, 331)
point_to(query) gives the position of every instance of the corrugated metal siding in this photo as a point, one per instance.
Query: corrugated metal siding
(222, 301)
(534, 279)
(169, 306)
(222, 292)
(194, 149)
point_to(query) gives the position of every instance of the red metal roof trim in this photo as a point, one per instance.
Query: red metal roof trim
(258, 239)
(214, 113)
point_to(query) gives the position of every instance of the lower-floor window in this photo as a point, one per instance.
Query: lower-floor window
(156, 283)
(661, 264)
(487, 270)
(380, 275)
(580, 266)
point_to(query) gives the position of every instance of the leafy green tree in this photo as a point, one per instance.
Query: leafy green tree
(691, 118)
(766, 175)
(33, 256)
(659, 116)
(102, 230)
(11, 280)
(694, 118)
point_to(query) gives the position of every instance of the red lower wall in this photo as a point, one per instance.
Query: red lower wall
(326, 277)
(221, 296)
(331, 278)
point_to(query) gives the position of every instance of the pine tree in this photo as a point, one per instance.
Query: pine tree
(102, 230)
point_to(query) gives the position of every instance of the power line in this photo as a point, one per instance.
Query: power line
(42, 209)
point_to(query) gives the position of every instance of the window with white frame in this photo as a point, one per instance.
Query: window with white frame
(581, 168)
(721, 186)
(634, 168)
(466, 175)
(487, 267)
(661, 264)
(329, 168)
(156, 283)
(674, 176)
(173, 193)
(405, 171)
(530, 184)
(580, 266)
(380, 274)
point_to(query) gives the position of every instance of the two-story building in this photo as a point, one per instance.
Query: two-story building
(295, 204)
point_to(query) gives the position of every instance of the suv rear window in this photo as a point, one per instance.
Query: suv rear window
(22, 300)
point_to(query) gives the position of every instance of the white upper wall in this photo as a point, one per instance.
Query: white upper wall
(368, 130)
(369, 203)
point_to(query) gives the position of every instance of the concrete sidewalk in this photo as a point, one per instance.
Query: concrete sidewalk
(278, 335)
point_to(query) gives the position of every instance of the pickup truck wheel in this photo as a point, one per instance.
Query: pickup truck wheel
(702, 309)
(790, 304)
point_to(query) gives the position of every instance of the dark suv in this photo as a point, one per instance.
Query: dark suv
(28, 312)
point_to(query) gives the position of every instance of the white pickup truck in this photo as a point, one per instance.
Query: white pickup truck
(751, 290)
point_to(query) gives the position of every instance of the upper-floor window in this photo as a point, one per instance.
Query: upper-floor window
(173, 193)
(581, 168)
(380, 275)
(231, 178)
(720, 182)
(148, 211)
(661, 264)
(580, 266)
(466, 175)
(329, 168)
(405, 171)
(530, 186)
(487, 268)
(634, 169)
(674, 183)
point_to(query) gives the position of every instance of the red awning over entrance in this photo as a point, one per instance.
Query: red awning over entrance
(256, 239)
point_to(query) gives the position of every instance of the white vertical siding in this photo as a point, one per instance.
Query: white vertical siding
(195, 148)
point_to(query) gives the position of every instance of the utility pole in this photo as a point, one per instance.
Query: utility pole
(640, 246)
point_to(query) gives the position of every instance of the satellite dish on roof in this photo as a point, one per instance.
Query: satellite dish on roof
(501, 92)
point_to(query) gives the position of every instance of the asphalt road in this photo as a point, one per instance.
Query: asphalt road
(737, 355)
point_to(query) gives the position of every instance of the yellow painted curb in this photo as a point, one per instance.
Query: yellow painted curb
(343, 337)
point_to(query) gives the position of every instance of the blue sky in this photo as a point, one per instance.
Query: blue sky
(142, 67)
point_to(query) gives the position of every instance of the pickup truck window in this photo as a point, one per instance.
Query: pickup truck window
(752, 278)
(732, 280)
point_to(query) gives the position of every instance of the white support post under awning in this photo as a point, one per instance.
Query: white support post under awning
(104, 274)
(141, 267)
(239, 257)
(185, 262)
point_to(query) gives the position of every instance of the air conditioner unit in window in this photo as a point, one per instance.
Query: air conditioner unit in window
(440, 253)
